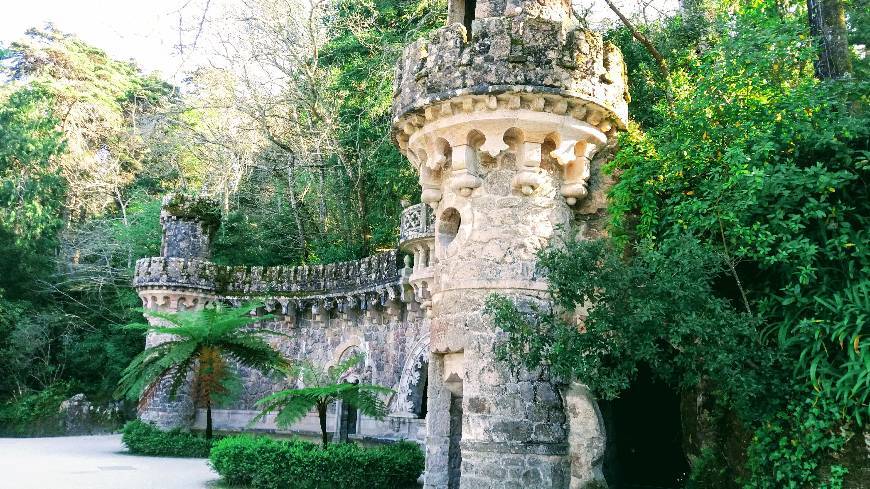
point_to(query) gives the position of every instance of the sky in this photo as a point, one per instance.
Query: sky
(148, 30)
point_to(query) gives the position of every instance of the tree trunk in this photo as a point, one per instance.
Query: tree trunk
(294, 204)
(827, 20)
(321, 413)
(321, 207)
(363, 223)
(208, 429)
(650, 48)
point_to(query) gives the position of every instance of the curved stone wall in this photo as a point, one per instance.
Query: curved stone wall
(299, 281)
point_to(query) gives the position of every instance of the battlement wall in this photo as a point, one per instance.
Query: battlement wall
(350, 278)
(328, 312)
(507, 54)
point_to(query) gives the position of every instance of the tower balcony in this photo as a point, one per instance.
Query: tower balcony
(417, 222)
(417, 238)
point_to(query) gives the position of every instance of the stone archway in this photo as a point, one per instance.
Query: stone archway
(411, 399)
(347, 417)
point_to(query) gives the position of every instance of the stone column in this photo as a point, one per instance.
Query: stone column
(513, 428)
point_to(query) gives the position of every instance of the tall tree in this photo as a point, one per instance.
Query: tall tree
(827, 20)
(31, 189)
(100, 103)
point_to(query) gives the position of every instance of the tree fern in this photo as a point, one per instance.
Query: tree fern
(321, 388)
(205, 344)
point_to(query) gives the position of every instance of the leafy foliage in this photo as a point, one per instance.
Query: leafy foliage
(33, 414)
(323, 387)
(98, 99)
(365, 59)
(769, 166)
(264, 463)
(659, 309)
(790, 446)
(738, 263)
(31, 189)
(146, 439)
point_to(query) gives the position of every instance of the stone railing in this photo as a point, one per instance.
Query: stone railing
(418, 221)
(306, 280)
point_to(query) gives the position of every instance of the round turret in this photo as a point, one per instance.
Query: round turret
(188, 226)
(527, 79)
(522, 47)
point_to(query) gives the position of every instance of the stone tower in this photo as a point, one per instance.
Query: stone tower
(502, 113)
(170, 283)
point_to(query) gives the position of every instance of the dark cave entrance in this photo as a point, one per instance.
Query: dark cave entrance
(644, 442)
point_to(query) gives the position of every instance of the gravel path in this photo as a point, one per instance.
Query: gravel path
(94, 462)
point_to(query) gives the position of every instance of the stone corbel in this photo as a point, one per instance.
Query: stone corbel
(528, 178)
(465, 178)
(316, 311)
(341, 305)
(423, 294)
(393, 310)
(430, 180)
(372, 311)
(577, 168)
(288, 308)
(429, 158)
(405, 288)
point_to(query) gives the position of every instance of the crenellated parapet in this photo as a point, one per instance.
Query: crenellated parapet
(362, 284)
(520, 77)
(379, 269)
(183, 277)
(518, 53)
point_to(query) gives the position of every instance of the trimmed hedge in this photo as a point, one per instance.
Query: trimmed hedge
(147, 439)
(265, 463)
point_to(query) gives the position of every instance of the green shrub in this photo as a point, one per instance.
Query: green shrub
(146, 439)
(264, 463)
(33, 414)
